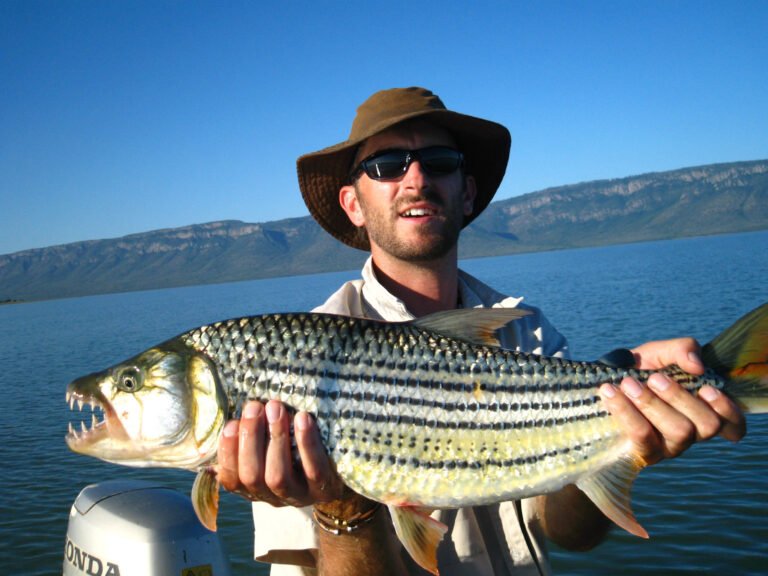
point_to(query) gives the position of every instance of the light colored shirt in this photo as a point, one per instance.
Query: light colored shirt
(481, 541)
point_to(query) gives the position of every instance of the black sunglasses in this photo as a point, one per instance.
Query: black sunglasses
(391, 164)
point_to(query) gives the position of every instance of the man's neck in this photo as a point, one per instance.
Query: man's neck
(424, 287)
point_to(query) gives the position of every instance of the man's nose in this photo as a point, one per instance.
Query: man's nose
(415, 176)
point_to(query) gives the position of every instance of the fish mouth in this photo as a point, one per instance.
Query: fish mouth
(104, 423)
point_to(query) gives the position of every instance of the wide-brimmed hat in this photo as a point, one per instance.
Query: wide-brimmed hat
(485, 146)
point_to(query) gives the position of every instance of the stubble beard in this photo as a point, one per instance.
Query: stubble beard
(431, 243)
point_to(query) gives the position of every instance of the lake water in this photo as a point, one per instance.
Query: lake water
(705, 511)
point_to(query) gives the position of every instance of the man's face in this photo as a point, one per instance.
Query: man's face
(416, 217)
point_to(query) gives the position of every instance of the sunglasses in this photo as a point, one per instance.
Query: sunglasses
(391, 164)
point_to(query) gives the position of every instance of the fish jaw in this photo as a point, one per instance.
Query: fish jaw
(162, 408)
(82, 392)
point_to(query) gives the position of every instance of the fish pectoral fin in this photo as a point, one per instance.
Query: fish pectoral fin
(419, 533)
(205, 497)
(473, 325)
(610, 490)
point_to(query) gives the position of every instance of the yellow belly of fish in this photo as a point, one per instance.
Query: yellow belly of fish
(475, 467)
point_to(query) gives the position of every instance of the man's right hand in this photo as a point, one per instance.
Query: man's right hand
(255, 459)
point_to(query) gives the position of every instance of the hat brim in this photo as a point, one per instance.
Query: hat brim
(322, 174)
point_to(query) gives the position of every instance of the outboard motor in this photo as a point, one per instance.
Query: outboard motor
(133, 528)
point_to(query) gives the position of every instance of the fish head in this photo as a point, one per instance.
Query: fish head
(164, 407)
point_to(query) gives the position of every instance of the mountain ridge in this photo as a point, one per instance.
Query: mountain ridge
(711, 199)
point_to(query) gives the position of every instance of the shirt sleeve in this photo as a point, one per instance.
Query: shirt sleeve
(284, 536)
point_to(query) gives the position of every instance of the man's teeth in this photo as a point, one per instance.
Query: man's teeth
(418, 212)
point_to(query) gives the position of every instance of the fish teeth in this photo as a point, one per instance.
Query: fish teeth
(96, 419)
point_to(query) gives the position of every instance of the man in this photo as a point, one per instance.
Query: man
(411, 175)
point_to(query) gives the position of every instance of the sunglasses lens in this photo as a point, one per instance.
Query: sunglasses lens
(439, 161)
(386, 165)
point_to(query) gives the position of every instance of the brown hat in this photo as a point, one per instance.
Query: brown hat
(485, 146)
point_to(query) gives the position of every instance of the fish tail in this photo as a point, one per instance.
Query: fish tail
(740, 355)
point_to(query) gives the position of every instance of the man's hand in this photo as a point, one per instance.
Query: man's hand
(255, 459)
(662, 418)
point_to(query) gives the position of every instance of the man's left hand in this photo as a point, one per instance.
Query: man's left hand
(661, 417)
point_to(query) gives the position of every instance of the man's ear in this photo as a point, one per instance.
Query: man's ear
(470, 193)
(351, 205)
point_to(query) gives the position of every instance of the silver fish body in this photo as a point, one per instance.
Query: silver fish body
(411, 416)
(431, 413)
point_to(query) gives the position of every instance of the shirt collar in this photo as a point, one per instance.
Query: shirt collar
(379, 303)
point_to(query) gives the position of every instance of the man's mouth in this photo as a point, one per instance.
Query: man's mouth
(418, 213)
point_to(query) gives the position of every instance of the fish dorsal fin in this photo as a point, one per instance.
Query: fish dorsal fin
(610, 489)
(419, 533)
(473, 325)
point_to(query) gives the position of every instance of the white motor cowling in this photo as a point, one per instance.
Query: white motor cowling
(133, 528)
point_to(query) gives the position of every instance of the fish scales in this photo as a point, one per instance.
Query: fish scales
(410, 415)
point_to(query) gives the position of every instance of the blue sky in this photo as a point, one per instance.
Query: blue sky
(120, 117)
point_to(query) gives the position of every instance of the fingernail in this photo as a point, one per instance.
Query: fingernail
(274, 410)
(301, 422)
(251, 410)
(709, 394)
(631, 388)
(658, 382)
(231, 428)
(607, 391)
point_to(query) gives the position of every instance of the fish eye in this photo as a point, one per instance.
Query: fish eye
(130, 379)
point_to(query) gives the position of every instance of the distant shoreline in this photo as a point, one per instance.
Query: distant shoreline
(718, 199)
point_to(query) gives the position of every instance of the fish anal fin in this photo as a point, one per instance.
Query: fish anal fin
(419, 533)
(610, 490)
(474, 325)
(205, 498)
